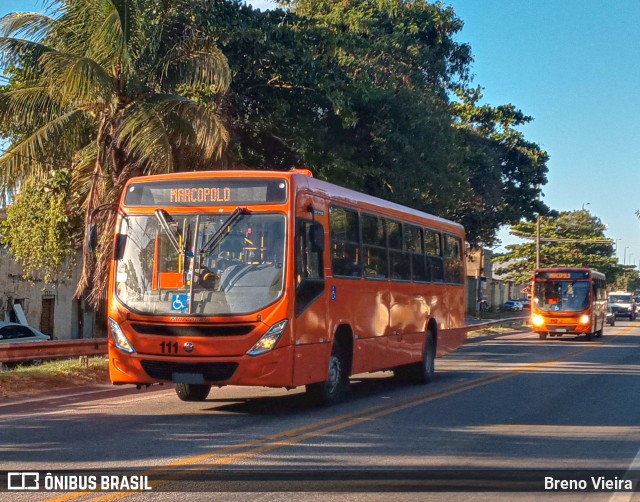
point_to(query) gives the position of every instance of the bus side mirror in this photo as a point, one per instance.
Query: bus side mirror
(92, 238)
(317, 237)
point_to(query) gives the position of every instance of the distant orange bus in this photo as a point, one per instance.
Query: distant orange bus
(568, 301)
(277, 279)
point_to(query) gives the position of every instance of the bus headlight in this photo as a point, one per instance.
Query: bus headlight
(121, 341)
(585, 319)
(269, 340)
(537, 320)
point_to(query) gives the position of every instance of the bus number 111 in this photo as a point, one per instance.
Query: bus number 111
(169, 347)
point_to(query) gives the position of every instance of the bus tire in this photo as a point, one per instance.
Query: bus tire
(192, 392)
(423, 372)
(334, 389)
(542, 335)
(589, 336)
(427, 368)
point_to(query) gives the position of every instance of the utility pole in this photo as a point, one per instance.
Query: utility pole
(538, 241)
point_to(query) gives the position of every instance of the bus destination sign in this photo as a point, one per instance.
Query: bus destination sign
(562, 275)
(207, 192)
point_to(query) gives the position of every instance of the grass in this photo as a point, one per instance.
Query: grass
(492, 330)
(29, 379)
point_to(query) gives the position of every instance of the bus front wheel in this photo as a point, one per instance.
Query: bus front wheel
(542, 335)
(334, 389)
(192, 392)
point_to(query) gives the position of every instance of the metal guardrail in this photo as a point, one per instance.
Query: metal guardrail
(58, 349)
(52, 349)
(507, 321)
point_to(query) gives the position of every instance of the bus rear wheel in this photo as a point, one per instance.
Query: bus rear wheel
(334, 389)
(192, 392)
(424, 371)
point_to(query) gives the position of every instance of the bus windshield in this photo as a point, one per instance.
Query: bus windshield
(200, 264)
(563, 296)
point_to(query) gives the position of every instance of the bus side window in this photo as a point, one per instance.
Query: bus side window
(309, 265)
(415, 245)
(399, 260)
(453, 259)
(374, 245)
(345, 243)
(433, 248)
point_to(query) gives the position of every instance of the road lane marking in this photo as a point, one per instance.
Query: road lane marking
(234, 453)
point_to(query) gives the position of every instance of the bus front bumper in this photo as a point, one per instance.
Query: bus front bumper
(272, 369)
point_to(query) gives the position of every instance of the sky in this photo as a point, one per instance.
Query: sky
(574, 66)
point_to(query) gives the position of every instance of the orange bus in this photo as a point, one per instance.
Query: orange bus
(568, 300)
(277, 279)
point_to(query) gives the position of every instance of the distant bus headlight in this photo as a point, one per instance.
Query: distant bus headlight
(121, 341)
(585, 319)
(269, 339)
(537, 320)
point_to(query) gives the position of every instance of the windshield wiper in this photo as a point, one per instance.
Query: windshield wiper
(164, 218)
(224, 230)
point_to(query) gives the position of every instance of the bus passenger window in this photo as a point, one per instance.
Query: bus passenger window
(453, 259)
(399, 260)
(345, 243)
(414, 244)
(374, 247)
(433, 248)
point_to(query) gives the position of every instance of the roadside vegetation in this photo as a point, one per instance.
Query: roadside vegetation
(376, 96)
(30, 379)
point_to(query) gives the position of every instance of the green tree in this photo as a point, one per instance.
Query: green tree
(42, 219)
(108, 89)
(570, 239)
(506, 171)
(360, 92)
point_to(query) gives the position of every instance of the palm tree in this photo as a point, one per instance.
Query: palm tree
(110, 89)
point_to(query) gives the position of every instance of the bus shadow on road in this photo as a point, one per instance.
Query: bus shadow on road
(381, 385)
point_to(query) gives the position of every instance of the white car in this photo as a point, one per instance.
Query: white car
(13, 332)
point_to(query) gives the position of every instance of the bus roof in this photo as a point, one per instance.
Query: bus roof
(303, 178)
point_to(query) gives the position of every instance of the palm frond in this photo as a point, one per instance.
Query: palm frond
(196, 63)
(144, 135)
(211, 135)
(29, 25)
(30, 154)
(82, 167)
(205, 129)
(30, 105)
(109, 40)
(12, 50)
(75, 79)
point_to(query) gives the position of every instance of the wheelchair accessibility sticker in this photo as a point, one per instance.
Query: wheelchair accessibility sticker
(179, 302)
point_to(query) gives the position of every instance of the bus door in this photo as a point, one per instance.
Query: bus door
(311, 336)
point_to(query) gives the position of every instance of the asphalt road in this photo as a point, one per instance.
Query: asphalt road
(502, 411)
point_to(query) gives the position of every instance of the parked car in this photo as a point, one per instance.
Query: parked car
(13, 332)
(526, 303)
(512, 306)
(611, 317)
